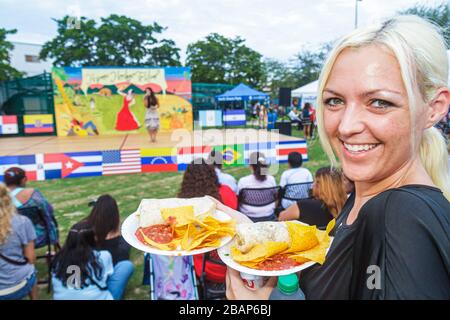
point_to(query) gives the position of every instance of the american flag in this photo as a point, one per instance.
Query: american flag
(121, 161)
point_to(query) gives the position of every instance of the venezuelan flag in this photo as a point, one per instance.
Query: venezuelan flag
(38, 123)
(159, 159)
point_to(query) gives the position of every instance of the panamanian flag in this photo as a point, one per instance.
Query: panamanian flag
(8, 125)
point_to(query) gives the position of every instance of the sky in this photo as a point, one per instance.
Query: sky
(276, 29)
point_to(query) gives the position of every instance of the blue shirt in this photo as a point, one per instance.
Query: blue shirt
(91, 292)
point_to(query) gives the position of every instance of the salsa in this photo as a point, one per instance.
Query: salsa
(277, 262)
(160, 233)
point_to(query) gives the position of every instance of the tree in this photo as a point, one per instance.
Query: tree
(218, 59)
(279, 75)
(117, 41)
(6, 71)
(439, 14)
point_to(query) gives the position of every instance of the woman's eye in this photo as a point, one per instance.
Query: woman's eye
(333, 102)
(381, 104)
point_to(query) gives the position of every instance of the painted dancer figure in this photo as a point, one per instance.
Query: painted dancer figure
(151, 115)
(126, 120)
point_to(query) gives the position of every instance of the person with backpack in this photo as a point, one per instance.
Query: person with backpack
(80, 272)
(17, 255)
(22, 197)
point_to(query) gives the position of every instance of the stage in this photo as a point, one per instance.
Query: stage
(52, 157)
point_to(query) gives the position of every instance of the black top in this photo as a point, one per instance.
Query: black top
(314, 212)
(118, 247)
(402, 235)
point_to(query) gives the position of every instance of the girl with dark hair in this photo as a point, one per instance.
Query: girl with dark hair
(200, 180)
(151, 115)
(22, 197)
(105, 220)
(80, 272)
(258, 179)
(306, 119)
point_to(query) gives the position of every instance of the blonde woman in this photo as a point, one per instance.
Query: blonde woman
(381, 91)
(17, 256)
(328, 200)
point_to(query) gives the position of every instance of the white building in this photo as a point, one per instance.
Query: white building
(25, 58)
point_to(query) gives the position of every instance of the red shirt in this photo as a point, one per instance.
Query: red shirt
(228, 197)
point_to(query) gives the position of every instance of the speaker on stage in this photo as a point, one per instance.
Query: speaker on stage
(284, 97)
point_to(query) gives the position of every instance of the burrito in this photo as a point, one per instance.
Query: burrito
(249, 235)
(150, 211)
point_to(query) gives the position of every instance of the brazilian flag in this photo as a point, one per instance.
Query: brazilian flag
(233, 155)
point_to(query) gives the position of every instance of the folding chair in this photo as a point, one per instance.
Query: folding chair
(259, 197)
(38, 219)
(211, 273)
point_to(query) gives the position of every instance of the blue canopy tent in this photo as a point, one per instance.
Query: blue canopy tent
(242, 92)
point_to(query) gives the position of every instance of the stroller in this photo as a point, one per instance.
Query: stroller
(170, 278)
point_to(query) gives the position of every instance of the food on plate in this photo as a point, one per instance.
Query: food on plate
(279, 245)
(186, 224)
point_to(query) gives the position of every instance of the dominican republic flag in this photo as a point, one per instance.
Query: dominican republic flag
(285, 147)
(55, 165)
(267, 148)
(8, 125)
(210, 118)
(234, 118)
(121, 161)
(186, 155)
(38, 123)
(159, 160)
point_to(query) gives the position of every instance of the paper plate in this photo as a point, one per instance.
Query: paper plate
(225, 256)
(131, 224)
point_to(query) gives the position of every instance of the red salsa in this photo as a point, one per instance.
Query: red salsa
(160, 233)
(277, 262)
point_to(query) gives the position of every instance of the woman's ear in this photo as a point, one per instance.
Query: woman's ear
(438, 107)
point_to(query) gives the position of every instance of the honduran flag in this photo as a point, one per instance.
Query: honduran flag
(8, 125)
(267, 148)
(186, 155)
(234, 118)
(38, 123)
(159, 160)
(285, 147)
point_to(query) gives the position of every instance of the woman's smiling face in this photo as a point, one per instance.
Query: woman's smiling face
(366, 114)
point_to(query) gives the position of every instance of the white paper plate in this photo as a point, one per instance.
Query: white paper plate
(131, 224)
(225, 256)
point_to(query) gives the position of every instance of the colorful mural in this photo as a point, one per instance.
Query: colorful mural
(109, 100)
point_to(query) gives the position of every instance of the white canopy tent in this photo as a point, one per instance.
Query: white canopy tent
(308, 89)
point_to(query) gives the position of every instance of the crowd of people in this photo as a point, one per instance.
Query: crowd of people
(98, 254)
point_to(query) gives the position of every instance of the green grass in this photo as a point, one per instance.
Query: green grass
(71, 196)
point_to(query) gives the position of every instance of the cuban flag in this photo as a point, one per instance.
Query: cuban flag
(210, 118)
(8, 125)
(285, 147)
(267, 148)
(186, 155)
(234, 118)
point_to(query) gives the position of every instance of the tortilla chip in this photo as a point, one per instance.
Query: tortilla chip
(183, 215)
(302, 237)
(259, 252)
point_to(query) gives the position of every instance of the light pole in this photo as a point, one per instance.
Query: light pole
(356, 13)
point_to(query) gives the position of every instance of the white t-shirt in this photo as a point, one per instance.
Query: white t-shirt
(251, 182)
(227, 179)
(294, 175)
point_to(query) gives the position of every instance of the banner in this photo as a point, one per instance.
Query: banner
(234, 118)
(38, 123)
(8, 125)
(110, 100)
(210, 118)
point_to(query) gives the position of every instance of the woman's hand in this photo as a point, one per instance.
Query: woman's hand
(236, 290)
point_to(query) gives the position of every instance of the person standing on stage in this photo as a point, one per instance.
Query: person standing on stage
(151, 115)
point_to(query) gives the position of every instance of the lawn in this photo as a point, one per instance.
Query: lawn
(70, 199)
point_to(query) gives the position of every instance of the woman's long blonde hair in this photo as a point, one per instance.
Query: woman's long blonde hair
(329, 188)
(7, 210)
(420, 51)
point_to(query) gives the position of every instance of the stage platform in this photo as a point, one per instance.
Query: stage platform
(51, 157)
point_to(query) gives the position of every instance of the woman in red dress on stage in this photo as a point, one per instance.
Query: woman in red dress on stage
(126, 121)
